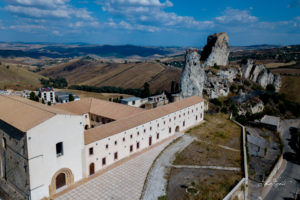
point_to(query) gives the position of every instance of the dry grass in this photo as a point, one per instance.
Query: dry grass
(209, 184)
(104, 96)
(218, 129)
(18, 78)
(275, 65)
(291, 87)
(203, 154)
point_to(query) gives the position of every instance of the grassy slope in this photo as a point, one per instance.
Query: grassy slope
(291, 87)
(18, 78)
(132, 75)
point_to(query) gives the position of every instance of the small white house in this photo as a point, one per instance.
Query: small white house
(47, 94)
(133, 101)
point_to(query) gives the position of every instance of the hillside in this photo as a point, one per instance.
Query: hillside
(131, 75)
(14, 77)
(76, 50)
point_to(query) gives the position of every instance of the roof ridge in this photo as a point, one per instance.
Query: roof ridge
(29, 104)
(90, 108)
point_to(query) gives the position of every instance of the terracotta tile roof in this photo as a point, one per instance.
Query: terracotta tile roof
(135, 120)
(25, 114)
(100, 107)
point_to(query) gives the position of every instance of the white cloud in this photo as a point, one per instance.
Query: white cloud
(46, 9)
(236, 16)
(149, 15)
(38, 3)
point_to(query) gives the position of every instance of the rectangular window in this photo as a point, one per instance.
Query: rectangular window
(59, 149)
(131, 148)
(137, 145)
(103, 161)
(157, 136)
(170, 130)
(91, 151)
(123, 139)
(106, 146)
(116, 156)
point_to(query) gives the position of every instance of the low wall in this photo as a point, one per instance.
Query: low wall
(237, 191)
(269, 180)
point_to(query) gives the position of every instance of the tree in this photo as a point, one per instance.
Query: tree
(270, 88)
(146, 91)
(71, 97)
(33, 97)
(43, 101)
(49, 103)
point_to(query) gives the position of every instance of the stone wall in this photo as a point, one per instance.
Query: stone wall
(13, 162)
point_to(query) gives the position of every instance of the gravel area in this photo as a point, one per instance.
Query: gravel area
(156, 183)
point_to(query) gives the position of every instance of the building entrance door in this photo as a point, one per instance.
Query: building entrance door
(60, 180)
(150, 140)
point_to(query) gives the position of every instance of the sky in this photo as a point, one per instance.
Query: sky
(150, 22)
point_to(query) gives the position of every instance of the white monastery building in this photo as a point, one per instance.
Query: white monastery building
(45, 149)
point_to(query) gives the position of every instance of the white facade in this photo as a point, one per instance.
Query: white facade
(48, 96)
(58, 155)
(180, 120)
(43, 159)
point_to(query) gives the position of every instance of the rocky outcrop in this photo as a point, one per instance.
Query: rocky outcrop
(260, 75)
(193, 75)
(246, 69)
(229, 74)
(277, 82)
(255, 72)
(216, 50)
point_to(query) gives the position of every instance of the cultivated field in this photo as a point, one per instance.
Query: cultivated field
(131, 75)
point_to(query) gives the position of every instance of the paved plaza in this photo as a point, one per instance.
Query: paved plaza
(124, 182)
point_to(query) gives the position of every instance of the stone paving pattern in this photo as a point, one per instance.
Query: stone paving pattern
(124, 182)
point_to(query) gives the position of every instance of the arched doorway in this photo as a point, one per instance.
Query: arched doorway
(177, 129)
(62, 178)
(92, 169)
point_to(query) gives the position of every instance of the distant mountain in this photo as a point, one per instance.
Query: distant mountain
(78, 50)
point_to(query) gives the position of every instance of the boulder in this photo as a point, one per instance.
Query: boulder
(193, 75)
(216, 50)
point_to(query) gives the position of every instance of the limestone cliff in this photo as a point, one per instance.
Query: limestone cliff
(260, 75)
(216, 50)
(193, 75)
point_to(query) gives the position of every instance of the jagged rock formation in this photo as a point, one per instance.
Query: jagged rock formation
(216, 50)
(193, 75)
(260, 75)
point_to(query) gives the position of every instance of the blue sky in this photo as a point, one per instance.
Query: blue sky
(150, 22)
